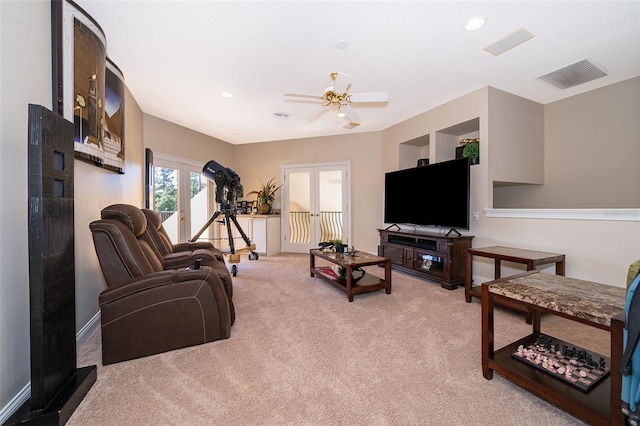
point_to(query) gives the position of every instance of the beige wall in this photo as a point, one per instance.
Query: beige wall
(262, 161)
(25, 77)
(592, 150)
(164, 137)
(598, 250)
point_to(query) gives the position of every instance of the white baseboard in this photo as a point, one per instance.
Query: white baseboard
(88, 328)
(15, 403)
(25, 393)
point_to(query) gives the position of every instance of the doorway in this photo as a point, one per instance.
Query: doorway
(315, 205)
(181, 196)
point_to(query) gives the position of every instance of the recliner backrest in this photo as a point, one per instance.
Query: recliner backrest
(157, 232)
(122, 244)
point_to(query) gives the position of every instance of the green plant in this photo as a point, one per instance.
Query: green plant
(337, 242)
(266, 194)
(471, 150)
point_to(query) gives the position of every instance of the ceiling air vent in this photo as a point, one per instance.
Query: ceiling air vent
(574, 74)
(281, 115)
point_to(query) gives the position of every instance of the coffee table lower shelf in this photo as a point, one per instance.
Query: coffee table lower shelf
(367, 284)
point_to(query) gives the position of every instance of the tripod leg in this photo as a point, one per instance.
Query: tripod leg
(232, 247)
(244, 236)
(206, 225)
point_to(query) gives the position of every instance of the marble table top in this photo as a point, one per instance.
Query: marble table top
(587, 300)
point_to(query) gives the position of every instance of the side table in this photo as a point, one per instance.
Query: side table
(598, 305)
(530, 258)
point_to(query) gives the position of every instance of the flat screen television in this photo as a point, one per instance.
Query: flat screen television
(432, 195)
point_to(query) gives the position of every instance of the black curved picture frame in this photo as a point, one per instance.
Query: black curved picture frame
(88, 88)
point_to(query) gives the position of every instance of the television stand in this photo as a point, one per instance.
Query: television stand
(434, 257)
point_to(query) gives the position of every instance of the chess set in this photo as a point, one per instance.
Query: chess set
(576, 366)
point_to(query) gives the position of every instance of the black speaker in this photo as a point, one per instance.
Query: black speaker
(57, 385)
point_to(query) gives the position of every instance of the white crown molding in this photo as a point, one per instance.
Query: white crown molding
(630, 215)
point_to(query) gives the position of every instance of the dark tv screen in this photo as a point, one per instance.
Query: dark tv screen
(433, 195)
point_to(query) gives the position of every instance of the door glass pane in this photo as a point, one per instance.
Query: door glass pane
(299, 208)
(165, 199)
(199, 202)
(330, 204)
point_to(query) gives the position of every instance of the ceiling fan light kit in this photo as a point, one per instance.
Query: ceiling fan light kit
(337, 95)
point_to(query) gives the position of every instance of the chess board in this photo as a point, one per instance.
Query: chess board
(575, 366)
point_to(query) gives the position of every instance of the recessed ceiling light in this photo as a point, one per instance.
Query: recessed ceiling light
(342, 44)
(475, 23)
(226, 94)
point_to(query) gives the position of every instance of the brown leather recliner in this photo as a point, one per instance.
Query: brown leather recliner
(146, 309)
(164, 244)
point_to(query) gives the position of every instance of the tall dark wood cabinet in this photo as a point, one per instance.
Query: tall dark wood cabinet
(57, 385)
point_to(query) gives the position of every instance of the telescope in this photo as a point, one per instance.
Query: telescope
(225, 179)
(228, 188)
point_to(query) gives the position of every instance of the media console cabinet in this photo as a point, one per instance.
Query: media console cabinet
(437, 258)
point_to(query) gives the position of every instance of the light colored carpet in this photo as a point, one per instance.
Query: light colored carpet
(301, 354)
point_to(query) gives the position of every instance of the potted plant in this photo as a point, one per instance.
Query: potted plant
(266, 195)
(472, 150)
(338, 246)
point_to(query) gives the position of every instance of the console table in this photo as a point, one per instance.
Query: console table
(530, 258)
(598, 305)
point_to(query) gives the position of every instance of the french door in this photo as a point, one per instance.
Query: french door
(181, 196)
(315, 205)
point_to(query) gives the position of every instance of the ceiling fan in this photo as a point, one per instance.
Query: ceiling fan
(336, 95)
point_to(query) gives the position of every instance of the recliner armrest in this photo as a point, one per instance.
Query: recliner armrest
(199, 245)
(154, 280)
(187, 259)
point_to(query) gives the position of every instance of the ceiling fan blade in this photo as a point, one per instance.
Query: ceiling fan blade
(316, 113)
(304, 95)
(369, 97)
(341, 82)
(350, 113)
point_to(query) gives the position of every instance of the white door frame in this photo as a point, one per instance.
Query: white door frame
(184, 166)
(346, 197)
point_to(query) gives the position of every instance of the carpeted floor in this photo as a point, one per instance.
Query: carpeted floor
(301, 354)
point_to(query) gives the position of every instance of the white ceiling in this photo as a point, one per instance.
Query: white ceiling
(178, 56)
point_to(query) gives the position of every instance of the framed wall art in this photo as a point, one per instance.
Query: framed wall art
(88, 86)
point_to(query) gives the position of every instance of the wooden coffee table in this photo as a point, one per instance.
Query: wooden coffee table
(351, 286)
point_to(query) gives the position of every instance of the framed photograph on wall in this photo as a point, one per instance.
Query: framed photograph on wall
(88, 87)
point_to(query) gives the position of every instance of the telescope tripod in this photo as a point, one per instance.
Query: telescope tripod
(230, 218)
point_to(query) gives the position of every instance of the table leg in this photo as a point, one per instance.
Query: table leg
(617, 344)
(312, 264)
(487, 332)
(349, 283)
(535, 320)
(560, 268)
(387, 275)
(496, 269)
(468, 278)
